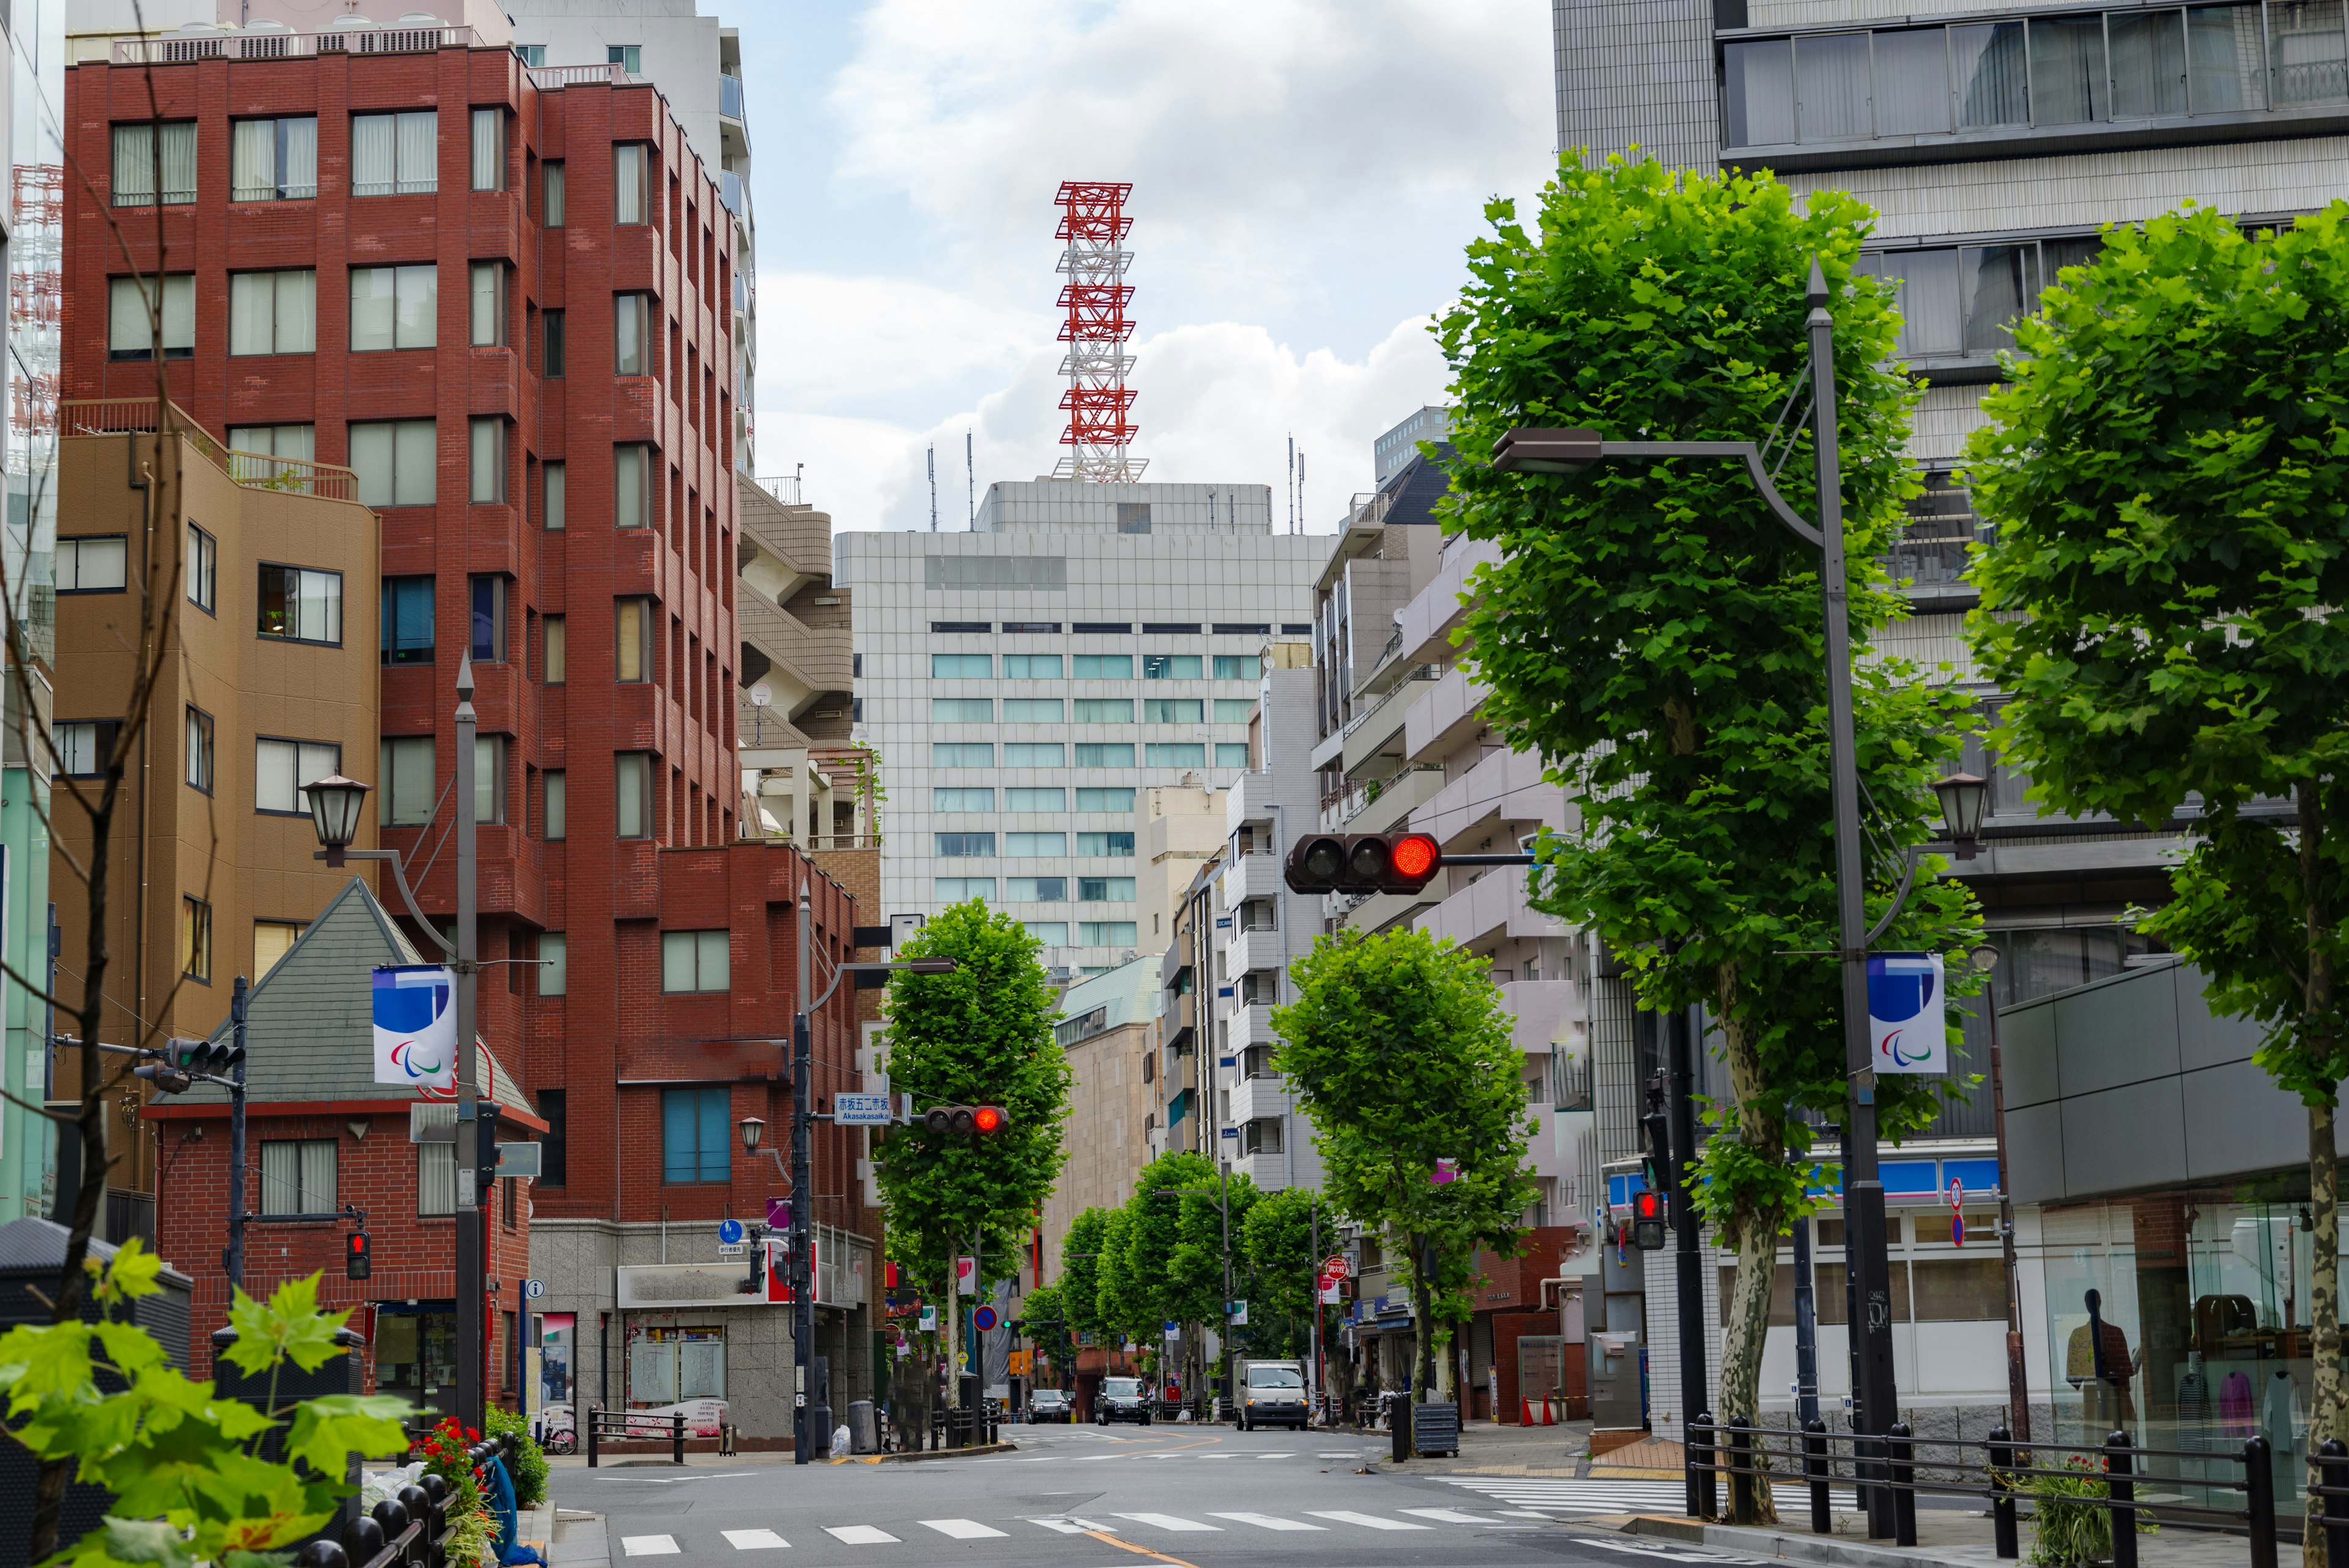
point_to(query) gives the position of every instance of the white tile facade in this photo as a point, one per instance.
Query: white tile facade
(1183, 572)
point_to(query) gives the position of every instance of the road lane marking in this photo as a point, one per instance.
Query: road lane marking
(1267, 1520)
(1368, 1520)
(649, 1545)
(1448, 1516)
(860, 1535)
(1058, 1526)
(753, 1540)
(961, 1529)
(1168, 1521)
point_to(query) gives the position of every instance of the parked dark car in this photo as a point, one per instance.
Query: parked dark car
(1050, 1405)
(1122, 1399)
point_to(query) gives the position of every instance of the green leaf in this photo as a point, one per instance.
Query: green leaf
(287, 1327)
(328, 1429)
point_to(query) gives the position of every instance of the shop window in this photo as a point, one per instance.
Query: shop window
(696, 1134)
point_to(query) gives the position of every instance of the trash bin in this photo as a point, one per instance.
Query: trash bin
(863, 1437)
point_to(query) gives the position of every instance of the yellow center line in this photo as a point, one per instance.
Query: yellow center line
(1106, 1538)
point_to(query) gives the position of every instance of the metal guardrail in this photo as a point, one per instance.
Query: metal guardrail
(409, 1530)
(1909, 1467)
(553, 78)
(634, 1426)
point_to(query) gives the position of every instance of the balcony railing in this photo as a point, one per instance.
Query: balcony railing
(267, 44)
(729, 97)
(254, 470)
(553, 78)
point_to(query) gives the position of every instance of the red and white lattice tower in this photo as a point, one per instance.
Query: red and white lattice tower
(1093, 226)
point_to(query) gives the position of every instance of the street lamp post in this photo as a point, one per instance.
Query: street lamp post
(1572, 450)
(335, 807)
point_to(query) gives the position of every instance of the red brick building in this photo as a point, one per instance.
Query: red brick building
(505, 298)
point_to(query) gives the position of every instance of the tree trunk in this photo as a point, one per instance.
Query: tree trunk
(1423, 1295)
(1447, 1382)
(1755, 1234)
(2325, 1310)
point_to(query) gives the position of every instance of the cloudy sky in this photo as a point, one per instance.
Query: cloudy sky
(1304, 175)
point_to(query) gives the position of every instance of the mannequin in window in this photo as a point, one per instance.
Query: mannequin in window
(2099, 1364)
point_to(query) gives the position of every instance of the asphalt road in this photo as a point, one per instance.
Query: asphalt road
(1084, 1498)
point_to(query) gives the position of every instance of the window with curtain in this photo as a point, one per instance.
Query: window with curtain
(2148, 63)
(405, 788)
(1996, 284)
(489, 311)
(1104, 710)
(962, 710)
(488, 778)
(274, 159)
(555, 347)
(1106, 846)
(556, 628)
(298, 1176)
(632, 643)
(488, 641)
(555, 964)
(272, 940)
(632, 790)
(138, 150)
(1832, 88)
(549, 194)
(1031, 710)
(1232, 754)
(203, 569)
(632, 486)
(631, 336)
(631, 189)
(272, 312)
(282, 769)
(394, 461)
(555, 816)
(1988, 62)
(2223, 49)
(2068, 80)
(251, 449)
(489, 150)
(394, 154)
(436, 1178)
(486, 461)
(694, 960)
(963, 845)
(964, 754)
(1912, 82)
(1175, 754)
(199, 747)
(394, 307)
(552, 477)
(1928, 298)
(93, 563)
(1098, 754)
(1173, 711)
(1035, 845)
(407, 621)
(130, 334)
(696, 1134)
(81, 747)
(196, 939)
(1100, 798)
(301, 604)
(1760, 92)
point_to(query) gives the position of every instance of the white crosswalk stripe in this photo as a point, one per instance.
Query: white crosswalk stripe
(1594, 1495)
(1168, 1521)
(1265, 1521)
(860, 1535)
(752, 1540)
(1368, 1520)
(962, 1529)
(649, 1545)
(1446, 1515)
(1065, 1526)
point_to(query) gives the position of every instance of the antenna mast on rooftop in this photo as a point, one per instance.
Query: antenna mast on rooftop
(1093, 226)
(970, 477)
(933, 487)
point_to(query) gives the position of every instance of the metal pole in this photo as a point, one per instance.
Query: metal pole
(1224, 1184)
(802, 1275)
(470, 1294)
(2018, 1381)
(1807, 1328)
(1313, 1361)
(1688, 1260)
(1875, 1394)
(237, 1190)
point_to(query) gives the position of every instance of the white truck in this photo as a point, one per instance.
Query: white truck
(1272, 1394)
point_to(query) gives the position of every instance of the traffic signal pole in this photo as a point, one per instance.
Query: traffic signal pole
(1688, 1261)
(802, 1197)
(239, 1193)
(473, 1363)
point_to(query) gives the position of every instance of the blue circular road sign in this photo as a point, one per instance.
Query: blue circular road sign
(984, 1317)
(729, 1231)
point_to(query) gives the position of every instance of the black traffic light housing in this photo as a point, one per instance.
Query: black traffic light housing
(203, 1055)
(357, 1262)
(1657, 1126)
(964, 1121)
(1648, 1220)
(1362, 863)
(167, 1079)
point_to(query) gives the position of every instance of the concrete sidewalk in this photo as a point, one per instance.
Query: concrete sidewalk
(1488, 1449)
(1946, 1538)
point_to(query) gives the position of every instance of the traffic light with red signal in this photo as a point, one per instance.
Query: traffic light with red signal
(1362, 863)
(964, 1121)
(1648, 1220)
(357, 1265)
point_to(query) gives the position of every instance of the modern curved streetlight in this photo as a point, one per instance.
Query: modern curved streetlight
(1573, 451)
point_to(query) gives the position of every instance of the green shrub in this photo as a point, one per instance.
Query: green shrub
(529, 1462)
(2065, 1533)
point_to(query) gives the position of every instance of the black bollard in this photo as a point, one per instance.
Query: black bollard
(1903, 1478)
(1815, 1468)
(2259, 1486)
(2122, 1488)
(2002, 1493)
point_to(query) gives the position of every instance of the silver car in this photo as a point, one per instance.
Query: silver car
(1272, 1394)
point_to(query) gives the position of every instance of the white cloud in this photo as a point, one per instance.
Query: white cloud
(1221, 400)
(827, 341)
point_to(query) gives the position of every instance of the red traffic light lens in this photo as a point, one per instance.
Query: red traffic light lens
(1647, 1206)
(989, 1118)
(358, 1241)
(1415, 855)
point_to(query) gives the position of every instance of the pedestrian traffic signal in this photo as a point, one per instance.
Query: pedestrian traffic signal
(964, 1121)
(1648, 1220)
(1362, 863)
(356, 1262)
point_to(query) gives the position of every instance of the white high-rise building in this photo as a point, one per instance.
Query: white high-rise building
(1023, 681)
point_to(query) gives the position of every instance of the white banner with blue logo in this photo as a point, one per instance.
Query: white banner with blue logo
(1908, 1013)
(416, 1029)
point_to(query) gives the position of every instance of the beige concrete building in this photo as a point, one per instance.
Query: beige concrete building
(1108, 1030)
(266, 679)
(1180, 828)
